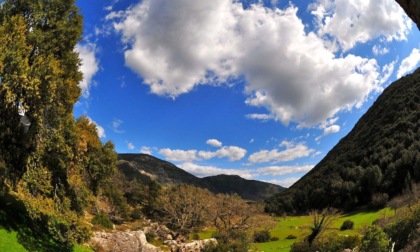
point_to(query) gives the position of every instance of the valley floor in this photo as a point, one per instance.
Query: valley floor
(299, 226)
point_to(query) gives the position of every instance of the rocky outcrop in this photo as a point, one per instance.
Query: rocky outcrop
(128, 241)
(412, 8)
(194, 246)
(162, 233)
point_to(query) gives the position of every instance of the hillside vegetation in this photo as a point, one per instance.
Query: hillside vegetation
(146, 168)
(377, 160)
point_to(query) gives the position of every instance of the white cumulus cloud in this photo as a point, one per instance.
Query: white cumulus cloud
(179, 155)
(291, 152)
(214, 143)
(359, 21)
(283, 170)
(99, 129)
(205, 171)
(410, 63)
(233, 153)
(146, 150)
(284, 182)
(180, 44)
(89, 66)
(130, 146)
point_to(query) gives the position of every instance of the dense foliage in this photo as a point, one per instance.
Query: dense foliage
(51, 166)
(377, 160)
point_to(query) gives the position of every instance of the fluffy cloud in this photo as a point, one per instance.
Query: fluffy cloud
(130, 146)
(146, 150)
(179, 155)
(89, 66)
(284, 182)
(291, 152)
(204, 171)
(214, 143)
(379, 50)
(116, 124)
(408, 64)
(179, 44)
(283, 170)
(358, 21)
(99, 128)
(233, 153)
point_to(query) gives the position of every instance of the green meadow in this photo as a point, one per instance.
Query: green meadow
(299, 226)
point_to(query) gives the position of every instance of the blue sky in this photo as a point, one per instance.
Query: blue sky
(261, 89)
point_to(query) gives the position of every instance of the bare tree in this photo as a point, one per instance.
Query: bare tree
(230, 213)
(185, 207)
(322, 220)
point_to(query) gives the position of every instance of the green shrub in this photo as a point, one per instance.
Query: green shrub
(274, 238)
(136, 214)
(331, 242)
(150, 237)
(195, 236)
(374, 240)
(102, 220)
(348, 224)
(291, 237)
(261, 236)
(235, 242)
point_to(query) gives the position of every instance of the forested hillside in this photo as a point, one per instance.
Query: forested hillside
(377, 160)
(146, 168)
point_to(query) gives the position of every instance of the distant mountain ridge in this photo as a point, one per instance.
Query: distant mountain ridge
(378, 159)
(146, 168)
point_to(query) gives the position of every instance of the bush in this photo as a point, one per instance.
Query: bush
(235, 242)
(274, 238)
(136, 214)
(331, 242)
(348, 224)
(150, 237)
(102, 220)
(262, 236)
(374, 240)
(291, 237)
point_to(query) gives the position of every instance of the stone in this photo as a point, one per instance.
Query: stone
(128, 241)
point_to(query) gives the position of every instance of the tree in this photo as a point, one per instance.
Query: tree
(185, 207)
(45, 168)
(322, 220)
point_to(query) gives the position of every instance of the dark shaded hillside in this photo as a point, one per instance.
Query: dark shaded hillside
(378, 159)
(146, 168)
(249, 189)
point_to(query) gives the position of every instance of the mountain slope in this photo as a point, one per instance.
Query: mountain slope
(378, 159)
(247, 189)
(146, 168)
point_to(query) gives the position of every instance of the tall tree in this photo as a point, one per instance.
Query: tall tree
(44, 166)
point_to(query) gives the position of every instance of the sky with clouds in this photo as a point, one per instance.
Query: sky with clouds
(260, 89)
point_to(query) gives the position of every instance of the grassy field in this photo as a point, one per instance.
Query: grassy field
(299, 226)
(9, 242)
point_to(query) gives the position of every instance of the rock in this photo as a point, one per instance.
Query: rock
(128, 241)
(161, 232)
(412, 8)
(195, 246)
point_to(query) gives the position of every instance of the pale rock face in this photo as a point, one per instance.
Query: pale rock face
(196, 246)
(412, 8)
(128, 241)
